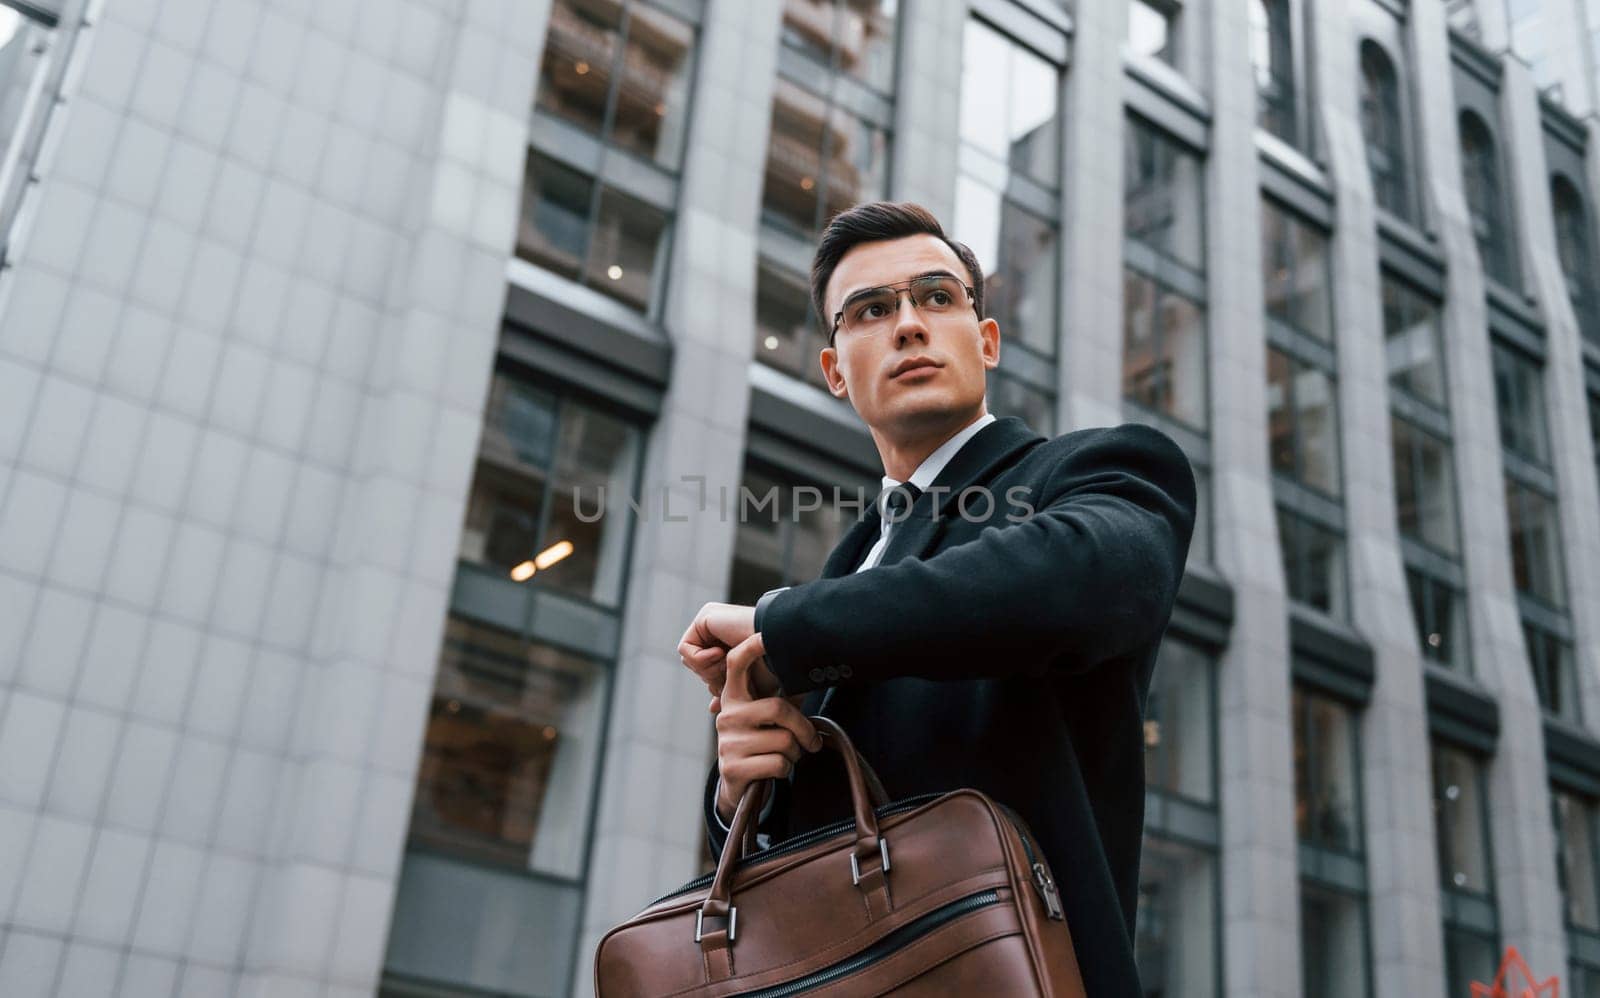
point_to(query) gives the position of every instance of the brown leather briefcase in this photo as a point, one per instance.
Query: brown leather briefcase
(943, 894)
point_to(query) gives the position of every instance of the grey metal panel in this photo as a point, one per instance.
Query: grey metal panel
(1176, 818)
(1473, 61)
(1528, 473)
(1469, 911)
(496, 930)
(1461, 711)
(640, 397)
(1167, 108)
(1330, 656)
(1425, 559)
(589, 324)
(1557, 622)
(1164, 269)
(564, 142)
(801, 413)
(1333, 869)
(1298, 499)
(1296, 190)
(637, 178)
(1513, 315)
(1559, 125)
(1030, 25)
(1573, 755)
(1413, 258)
(1306, 348)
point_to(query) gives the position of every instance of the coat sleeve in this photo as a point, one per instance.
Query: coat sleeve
(1090, 575)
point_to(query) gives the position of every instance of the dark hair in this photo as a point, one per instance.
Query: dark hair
(870, 222)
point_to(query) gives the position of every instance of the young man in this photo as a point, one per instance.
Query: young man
(1003, 643)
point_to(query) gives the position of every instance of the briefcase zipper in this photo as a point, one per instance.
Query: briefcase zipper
(1042, 881)
(882, 949)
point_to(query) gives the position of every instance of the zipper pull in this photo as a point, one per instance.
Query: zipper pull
(1047, 891)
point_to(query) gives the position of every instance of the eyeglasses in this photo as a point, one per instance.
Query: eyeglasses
(874, 310)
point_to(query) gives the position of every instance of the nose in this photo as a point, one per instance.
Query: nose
(908, 321)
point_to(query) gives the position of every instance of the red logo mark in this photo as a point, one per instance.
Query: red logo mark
(1515, 980)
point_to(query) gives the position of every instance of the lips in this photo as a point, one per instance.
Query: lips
(913, 364)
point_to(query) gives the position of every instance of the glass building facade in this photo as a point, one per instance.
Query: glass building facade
(378, 403)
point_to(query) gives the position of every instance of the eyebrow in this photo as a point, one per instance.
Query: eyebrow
(914, 277)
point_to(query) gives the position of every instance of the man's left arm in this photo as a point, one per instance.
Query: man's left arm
(1090, 575)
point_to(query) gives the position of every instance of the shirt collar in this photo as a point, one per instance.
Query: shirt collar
(934, 463)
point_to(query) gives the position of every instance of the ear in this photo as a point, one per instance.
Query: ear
(829, 359)
(989, 333)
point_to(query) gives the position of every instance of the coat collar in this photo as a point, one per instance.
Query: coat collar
(986, 449)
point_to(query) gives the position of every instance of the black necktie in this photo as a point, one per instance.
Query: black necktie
(897, 502)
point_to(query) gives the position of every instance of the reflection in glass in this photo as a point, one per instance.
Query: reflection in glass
(580, 55)
(1162, 202)
(1272, 55)
(1412, 342)
(1313, 563)
(1554, 682)
(1294, 258)
(1381, 127)
(1301, 421)
(1439, 611)
(1469, 956)
(1519, 399)
(1017, 251)
(1461, 821)
(1573, 248)
(1179, 733)
(1008, 396)
(1163, 358)
(1480, 167)
(1535, 543)
(1333, 943)
(553, 231)
(785, 531)
(859, 32)
(1152, 31)
(1327, 809)
(627, 252)
(1575, 828)
(814, 153)
(1176, 941)
(508, 762)
(1424, 486)
(785, 336)
(1009, 107)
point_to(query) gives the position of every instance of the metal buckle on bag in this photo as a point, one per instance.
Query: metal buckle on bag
(733, 922)
(855, 867)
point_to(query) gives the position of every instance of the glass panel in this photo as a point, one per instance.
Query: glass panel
(1575, 858)
(866, 41)
(1162, 202)
(1412, 342)
(1008, 396)
(784, 334)
(1327, 812)
(1424, 486)
(1535, 544)
(1295, 261)
(1381, 127)
(519, 424)
(508, 762)
(1554, 681)
(1150, 32)
(1280, 416)
(1469, 957)
(808, 27)
(857, 162)
(584, 548)
(553, 230)
(1009, 107)
(794, 155)
(1585, 980)
(503, 513)
(1176, 943)
(1481, 169)
(1333, 943)
(1017, 251)
(1301, 420)
(1461, 821)
(1272, 54)
(1441, 619)
(1573, 249)
(785, 533)
(1322, 552)
(1179, 726)
(580, 51)
(1519, 398)
(628, 252)
(652, 111)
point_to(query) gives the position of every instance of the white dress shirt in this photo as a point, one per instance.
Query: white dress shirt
(923, 477)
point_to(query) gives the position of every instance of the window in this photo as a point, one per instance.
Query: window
(1577, 822)
(1007, 209)
(32, 45)
(1424, 486)
(1272, 53)
(785, 531)
(1177, 942)
(1554, 681)
(1294, 258)
(1439, 608)
(1313, 563)
(1594, 427)
(1302, 417)
(1383, 128)
(1519, 399)
(1535, 543)
(1153, 27)
(1466, 877)
(1578, 263)
(1413, 344)
(524, 521)
(1333, 918)
(1480, 165)
(829, 144)
(620, 72)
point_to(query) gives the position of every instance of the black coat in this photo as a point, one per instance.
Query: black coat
(1015, 660)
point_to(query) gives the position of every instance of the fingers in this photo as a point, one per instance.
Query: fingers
(772, 714)
(736, 685)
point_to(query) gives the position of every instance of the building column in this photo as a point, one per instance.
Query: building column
(927, 107)
(1519, 807)
(1260, 881)
(1092, 129)
(1407, 940)
(649, 826)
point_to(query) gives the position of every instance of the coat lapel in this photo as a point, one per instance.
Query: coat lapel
(915, 535)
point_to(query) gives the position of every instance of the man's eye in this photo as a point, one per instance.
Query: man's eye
(940, 298)
(867, 310)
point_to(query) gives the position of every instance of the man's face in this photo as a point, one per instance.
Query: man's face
(861, 367)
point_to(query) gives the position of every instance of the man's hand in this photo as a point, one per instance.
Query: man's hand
(704, 647)
(758, 738)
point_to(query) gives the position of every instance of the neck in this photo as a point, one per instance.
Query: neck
(903, 453)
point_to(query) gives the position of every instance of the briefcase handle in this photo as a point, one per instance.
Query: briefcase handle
(869, 859)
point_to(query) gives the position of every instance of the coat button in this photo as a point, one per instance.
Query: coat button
(816, 675)
(831, 673)
(845, 672)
